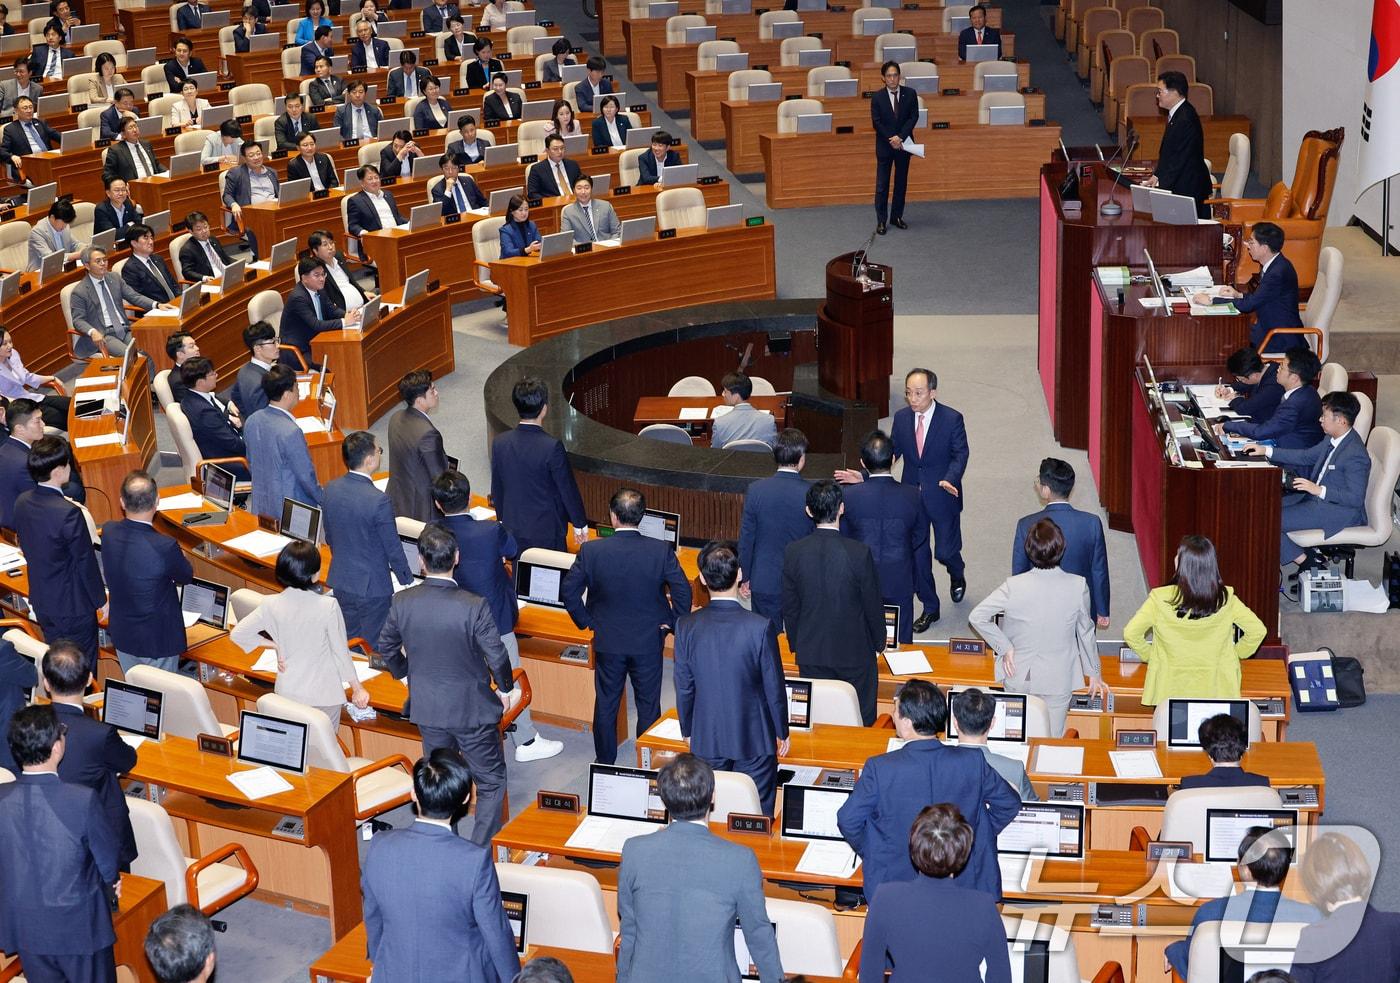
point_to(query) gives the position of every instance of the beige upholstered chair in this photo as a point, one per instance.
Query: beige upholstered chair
(186, 702)
(1384, 447)
(676, 26)
(787, 51)
(707, 51)
(740, 81)
(692, 385)
(486, 249)
(768, 18)
(990, 99)
(790, 109)
(894, 39)
(680, 208)
(1237, 168)
(817, 78)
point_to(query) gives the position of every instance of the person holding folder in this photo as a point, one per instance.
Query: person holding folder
(894, 111)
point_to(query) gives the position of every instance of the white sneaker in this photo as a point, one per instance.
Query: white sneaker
(538, 749)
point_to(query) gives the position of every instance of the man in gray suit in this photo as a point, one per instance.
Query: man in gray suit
(587, 219)
(680, 890)
(446, 642)
(743, 421)
(52, 234)
(974, 710)
(277, 453)
(416, 456)
(23, 84)
(96, 306)
(250, 182)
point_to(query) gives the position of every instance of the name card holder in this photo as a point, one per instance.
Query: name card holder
(967, 646)
(742, 822)
(558, 801)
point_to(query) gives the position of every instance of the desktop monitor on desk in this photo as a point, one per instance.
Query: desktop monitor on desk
(619, 792)
(539, 583)
(204, 602)
(272, 741)
(300, 521)
(799, 703)
(1055, 829)
(517, 907)
(1158, 289)
(1185, 717)
(217, 486)
(1225, 828)
(665, 526)
(132, 709)
(1008, 722)
(891, 626)
(809, 812)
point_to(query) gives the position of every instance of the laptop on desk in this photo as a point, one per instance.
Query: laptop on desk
(840, 88)
(502, 154)
(291, 192)
(1053, 830)
(215, 116)
(813, 57)
(500, 199)
(538, 579)
(71, 141)
(622, 803)
(204, 602)
(679, 175)
(132, 709)
(982, 52)
(1184, 719)
(556, 244)
(272, 741)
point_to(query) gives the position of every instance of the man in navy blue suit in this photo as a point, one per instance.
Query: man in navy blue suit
(775, 514)
(95, 754)
(1274, 302)
(730, 695)
(18, 678)
(1224, 740)
(627, 577)
(661, 155)
(1085, 552)
(532, 489)
(147, 569)
(58, 862)
(1294, 422)
(977, 32)
(26, 425)
(894, 112)
(1338, 468)
(893, 788)
(65, 584)
(889, 518)
(214, 423)
(1257, 391)
(318, 47)
(364, 540)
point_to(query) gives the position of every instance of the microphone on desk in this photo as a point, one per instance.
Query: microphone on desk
(858, 259)
(1111, 207)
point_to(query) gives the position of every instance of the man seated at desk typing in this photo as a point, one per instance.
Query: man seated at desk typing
(1224, 740)
(974, 710)
(1294, 423)
(743, 421)
(1257, 391)
(587, 219)
(554, 176)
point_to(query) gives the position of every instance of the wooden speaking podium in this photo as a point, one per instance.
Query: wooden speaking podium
(855, 333)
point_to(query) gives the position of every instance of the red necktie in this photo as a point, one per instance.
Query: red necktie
(919, 433)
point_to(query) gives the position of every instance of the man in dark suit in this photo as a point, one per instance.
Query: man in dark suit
(202, 256)
(416, 455)
(1257, 391)
(1338, 468)
(308, 311)
(889, 518)
(832, 613)
(131, 157)
(484, 67)
(293, 123)
(366, 47)
(325, 89)
(729, 680)
(190, 16)
(27, 134)
(117, 210)
(432, 901)
(19, 677)
(319, 168)
(456, 192)
(1181, 163)
(1086, 553)
(447, 644)
(408, 80)
(1274, 302)
(627, 578)
(682, 890)
(554, 176)
(318, 47)
(977, 32)
(364, 540)
(145, 271)
(182, 66)
(500, 103)
(65, 584)
(46, 60)
(277, 452)
(95, 755)
(58, 862)
(216, 425)
(532, 488)
(893, 788)
(147, 569)
(1224, 740)
(593, 85)
(435, 16)
(1294, 422)
(649, 164)
(248, 395)
(25, 421)
(894, 111)
(775, 514)
(371, 208)
(123, 107)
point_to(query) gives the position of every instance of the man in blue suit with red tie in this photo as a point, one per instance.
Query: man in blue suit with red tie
(977, 32)
(729, 680)
(889, 517)
(1274, 302)
(775, 514)
(1085, 552)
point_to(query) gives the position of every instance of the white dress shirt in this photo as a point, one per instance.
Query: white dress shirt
(381, 206)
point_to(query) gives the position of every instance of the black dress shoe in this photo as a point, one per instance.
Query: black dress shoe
(899, 223)
(959, 588)
(881, 228)
(925, 621)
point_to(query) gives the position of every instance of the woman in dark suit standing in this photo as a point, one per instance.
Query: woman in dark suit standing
(610, 126)
(519, 236)
(969, 926)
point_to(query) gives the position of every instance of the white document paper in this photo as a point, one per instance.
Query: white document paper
(1150, 302)
(310, 424)
(363, 671)
(132, 740)
(909, 146)
(191, 618)
(110, 393)
(1018, 750)
(1198, 279)
(208, 288)
(259, 542)
(98, 441)
(103, 381)
(266, 661)
(805, 774)
(894, 744)
(608, 835)
(259, 783)
(262, 266)
(720, 410)
(667, 730)
(481, 512)
(908, 662)
(693, 412)
(609, 243)
(1054, 760)
(176, 503)
(829, 858)
(1187, 881)
(1135, 764)
(382, 483)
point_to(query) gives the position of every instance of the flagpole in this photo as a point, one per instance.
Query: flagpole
(1385, 218)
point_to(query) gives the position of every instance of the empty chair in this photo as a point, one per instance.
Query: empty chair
(1184, 817)
(529, 137)
(1158, 42)
(790, 109)
(734, 792)
(252, 99)
(740, 81)
(629, 172)
(1127, 5)
(1384, 447)
(186, 704)
(1124, 72)
(1141, 19)
(1139, 100)
(90, 117)
(680, 208)
(519, 40)
(1210, 938)
(768, 18)
(566, 908)
(1333, 379)
(1112, 44)
(951, 11)
(861, 14)
(14, 246)
(676, 26)
(894, 39)
(1078, 8)
(194, 140)
(706, 53)
(817, 78)
(266, 305)
(748, 444)
(1236, 168)
(1202, 96)
(486, 249)
(984, 68)
(1096, 21)
(990, 99)
(787, 51)
(665, 432)
(244, 602)
(834, 701)
(761, 386)
(1326, 293)
(209, 883)
(1185, 64)
(692, 385)
(153, 76)
(806, 934)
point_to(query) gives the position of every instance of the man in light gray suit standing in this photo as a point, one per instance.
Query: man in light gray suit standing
(974, 711)
(680, 890)
(587, 219)
(743, 421)
(277, 453)
(96, 306)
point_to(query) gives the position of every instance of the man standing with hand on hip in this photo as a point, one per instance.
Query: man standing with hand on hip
(894, 111)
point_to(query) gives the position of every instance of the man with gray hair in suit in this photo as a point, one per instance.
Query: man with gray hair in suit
(96, 305)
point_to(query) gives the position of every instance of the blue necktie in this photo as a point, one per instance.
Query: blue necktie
(461, 205)
(316, 302)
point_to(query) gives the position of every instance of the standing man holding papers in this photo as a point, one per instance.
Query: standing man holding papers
(894, 111)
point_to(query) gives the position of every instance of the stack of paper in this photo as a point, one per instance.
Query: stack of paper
(259, 783)
(1051, 759)
(1186, 882)
(805, 774)
(693, 413)
(10, 557)
(1135, 764)
(104, 381)
(481, 512)
(131, 740)
(667, 730)
(829, 858)
(259, 543)
(176, 503)
(908, 662)
(310, 424)
(363, 671)
(97, 441)
(608, 835)
(1197, 279)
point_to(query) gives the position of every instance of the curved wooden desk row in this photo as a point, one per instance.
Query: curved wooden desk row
(959, 162)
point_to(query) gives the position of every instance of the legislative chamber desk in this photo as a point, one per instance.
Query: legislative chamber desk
(959, 162)
(696, 267)
(744, 120)
(668, 409)
(1071, 245)
(106, 465)
(322, 870)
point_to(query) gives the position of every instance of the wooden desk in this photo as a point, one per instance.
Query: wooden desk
(78, 173)
(258, 66)
(667, 409)
(105, 466)
(959, 162)
(545, 298)
(1218, 129)
(744, 120)
(323, 870)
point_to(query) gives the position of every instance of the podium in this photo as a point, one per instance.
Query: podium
(855, 334)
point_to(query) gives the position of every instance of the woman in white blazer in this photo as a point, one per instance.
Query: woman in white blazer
(188, 108)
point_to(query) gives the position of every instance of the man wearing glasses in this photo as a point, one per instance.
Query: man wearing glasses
(247, 394)
(309, 311)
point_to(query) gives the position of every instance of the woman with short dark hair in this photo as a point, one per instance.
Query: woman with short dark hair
(969, 928)
(1044, 639)
(1193, 651)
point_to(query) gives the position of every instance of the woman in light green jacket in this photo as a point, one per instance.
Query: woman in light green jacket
(1193, 652)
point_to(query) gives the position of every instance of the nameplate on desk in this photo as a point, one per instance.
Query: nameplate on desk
(743, 822)
(79, 107)
(452, 219)
(170, 131)
(952, 92)
(576, 51)
(227, 86)
(99, 144)
(709, 179)
(288, 47)
(350, 143)
(1159, 850)
(110, 37)
(389, 101)
(868, 94)
(1135, 739)
(621, 189)
(417, 34)
(639, 108)
(533, 85)
(420, 132)
(529, 158)
(534, 202)
(911, 6)
(759, 68)
(1029, 90)
(491, 124)
(505, 56)
(596, 151)
(461, 92)
(214, 744)
(753, 221)
(558, 801)
(760, 11)
(837, 8)
(845, 129)
(1035, 122)
(550, 23)
(319, 195)
(666, 234)
(6, 212)
(792, 96)
(209, 165)
(357, 71)
(844, 64)
(939, 125)
(967, 646)
(279, 154)
(388, 180)
(734, 39)
(1126, 654)
(431, 63)
(433, 285)
(583, 247)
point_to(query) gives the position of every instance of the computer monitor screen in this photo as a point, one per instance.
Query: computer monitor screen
(1008, 722)
(665, 526)
(624, 793)
(1225, 828)
(206, 601)
(748, 969)
(132, 709)
(301, 521)
(799, 703)
(1031, 957)
(1186, 716)
(515, 905)
(539, 584)
(264, 740)
(891, 625)
(1041, 827)
(218, 486)
(1240, 963)
(809, 813)
(410, 553)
